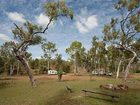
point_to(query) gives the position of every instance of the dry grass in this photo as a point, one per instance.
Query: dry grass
(17, 91)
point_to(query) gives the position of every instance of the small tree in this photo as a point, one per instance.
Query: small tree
(49, 49)
(59, 61)
(75, 51)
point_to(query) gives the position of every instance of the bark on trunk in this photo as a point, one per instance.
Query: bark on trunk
(11, 70)
(75, 66)
(28, 70)
(95, 63)
(118, 70)
(75, 69)
(21, 56)
(17, 68)
(129, 64)
(5, 69)
(48, 64)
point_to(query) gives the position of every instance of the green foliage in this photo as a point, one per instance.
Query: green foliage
(59, 61)
(76, 51)
(135, 21)
(96, 54)
(128, 4)
(133, 4)
(137, 71)
(1, 65)
(49, 48)
(75, 47)
(26, 34)
(55, 9)
(7, 57)
(66, 66)
(60, 72)
(36, 40)
(122, 32)
(34, 63)
(136, 46)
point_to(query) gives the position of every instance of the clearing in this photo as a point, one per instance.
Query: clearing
(17, 91)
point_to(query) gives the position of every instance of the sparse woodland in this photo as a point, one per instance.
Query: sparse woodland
(117, 52)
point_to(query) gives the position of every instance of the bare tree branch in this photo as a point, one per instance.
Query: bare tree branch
(51, 19)
(47, 26)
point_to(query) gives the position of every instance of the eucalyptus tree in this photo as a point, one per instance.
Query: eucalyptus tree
(34, 63)
(24, 38)
(114, 58)
(101, 52)
(28, 34)
(87, 61)
(93, 53)
(7, 57)
(1, 65)
(76, 50)
(59, 61)
(97, 53)
(49, 49)
(122, 31)
(2, 62)
(136, 45)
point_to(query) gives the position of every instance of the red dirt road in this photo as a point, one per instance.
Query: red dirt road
(67, 77)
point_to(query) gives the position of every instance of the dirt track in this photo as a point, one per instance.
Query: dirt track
(67, 77)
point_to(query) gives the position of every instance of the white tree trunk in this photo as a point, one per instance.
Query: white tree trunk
(129, 64)
(118, 70)
(11, 70)
(75, 66)
(95, 63)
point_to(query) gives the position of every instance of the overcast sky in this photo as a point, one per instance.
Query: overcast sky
(89, 19)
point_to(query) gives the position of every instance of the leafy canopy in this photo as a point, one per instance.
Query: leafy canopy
(55, 9)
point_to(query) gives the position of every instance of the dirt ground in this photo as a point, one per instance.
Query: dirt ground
(67, 77)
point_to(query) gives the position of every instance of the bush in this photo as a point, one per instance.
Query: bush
(43, 69)
(65, 67)
(137, 71)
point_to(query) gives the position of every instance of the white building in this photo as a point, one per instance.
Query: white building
(50, 72)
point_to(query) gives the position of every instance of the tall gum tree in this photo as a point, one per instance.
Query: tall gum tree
(29, 34)
(49, 48)
(76, 50)
(122, 31)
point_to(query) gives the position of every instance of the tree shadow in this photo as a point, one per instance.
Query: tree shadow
(107, 100)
